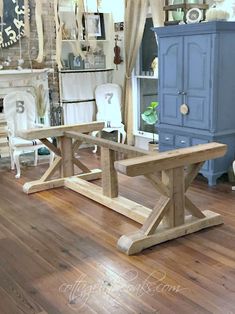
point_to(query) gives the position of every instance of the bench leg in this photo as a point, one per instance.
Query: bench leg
(136, 242)
(168, 219)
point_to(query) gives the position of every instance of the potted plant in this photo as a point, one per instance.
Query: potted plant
(150, 116)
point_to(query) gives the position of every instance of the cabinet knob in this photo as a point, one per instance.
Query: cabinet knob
(184, 109)
(181, 92)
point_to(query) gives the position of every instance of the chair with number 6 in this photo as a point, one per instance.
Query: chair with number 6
(20, 113)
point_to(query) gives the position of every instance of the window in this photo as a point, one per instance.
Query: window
(145, 80)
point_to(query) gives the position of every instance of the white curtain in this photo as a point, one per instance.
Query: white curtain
(157, 12)
(77, 89)
(134, 21)
(82, 112)
(81, 86)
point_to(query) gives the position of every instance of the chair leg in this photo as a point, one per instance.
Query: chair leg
(233, 187)
(35, 157)
(123, 136)
(94, 133)
(16, 157)
(52, 156)
(119, 137)
(12, 159)
(95, 149)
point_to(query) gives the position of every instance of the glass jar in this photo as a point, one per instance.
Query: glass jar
(178, 15)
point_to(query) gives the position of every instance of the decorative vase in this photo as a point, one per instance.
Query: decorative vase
(179, 14)
(218, 12)
(153, 146)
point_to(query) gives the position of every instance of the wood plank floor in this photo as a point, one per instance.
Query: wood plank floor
(58, 253)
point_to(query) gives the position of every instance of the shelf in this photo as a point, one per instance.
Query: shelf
(25, 71)
(146, 77)
(147, 135)
(85, 41)
(185, 6)
(85, 70)
(75, 101)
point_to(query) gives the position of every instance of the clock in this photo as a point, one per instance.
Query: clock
(12, 24)
(194, 15)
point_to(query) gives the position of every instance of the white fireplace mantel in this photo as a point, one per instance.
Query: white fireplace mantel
(25, 71)
(25, 80)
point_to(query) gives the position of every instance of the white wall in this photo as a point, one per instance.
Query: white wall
(117, 10)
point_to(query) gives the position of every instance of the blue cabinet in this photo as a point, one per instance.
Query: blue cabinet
(197, 89)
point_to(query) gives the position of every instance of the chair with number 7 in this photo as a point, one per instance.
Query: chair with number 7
(108, 101)
(20, 113)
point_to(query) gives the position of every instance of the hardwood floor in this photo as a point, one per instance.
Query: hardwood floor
(58, 253)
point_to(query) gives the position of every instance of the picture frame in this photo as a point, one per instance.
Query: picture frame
(75, 62)
(93, 26)
(119, 27)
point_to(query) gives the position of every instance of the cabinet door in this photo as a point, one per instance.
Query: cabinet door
(171, 79)
(197, 80)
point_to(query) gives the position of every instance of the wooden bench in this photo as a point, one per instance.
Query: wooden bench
(170, 173)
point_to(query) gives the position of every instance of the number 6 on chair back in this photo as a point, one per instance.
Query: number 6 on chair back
(108, 100)
(20, 112)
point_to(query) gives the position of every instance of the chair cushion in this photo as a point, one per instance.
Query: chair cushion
(20, 142)
(108, 100)
(20, 111)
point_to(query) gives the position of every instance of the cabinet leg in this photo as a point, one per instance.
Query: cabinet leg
(212, 178)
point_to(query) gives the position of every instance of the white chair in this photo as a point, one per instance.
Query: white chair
(20, 112)
(233, 187)
(108, 101)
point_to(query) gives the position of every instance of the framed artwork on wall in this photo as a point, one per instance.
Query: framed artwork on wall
(75, 62)
(93, 26)
(118, 27)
